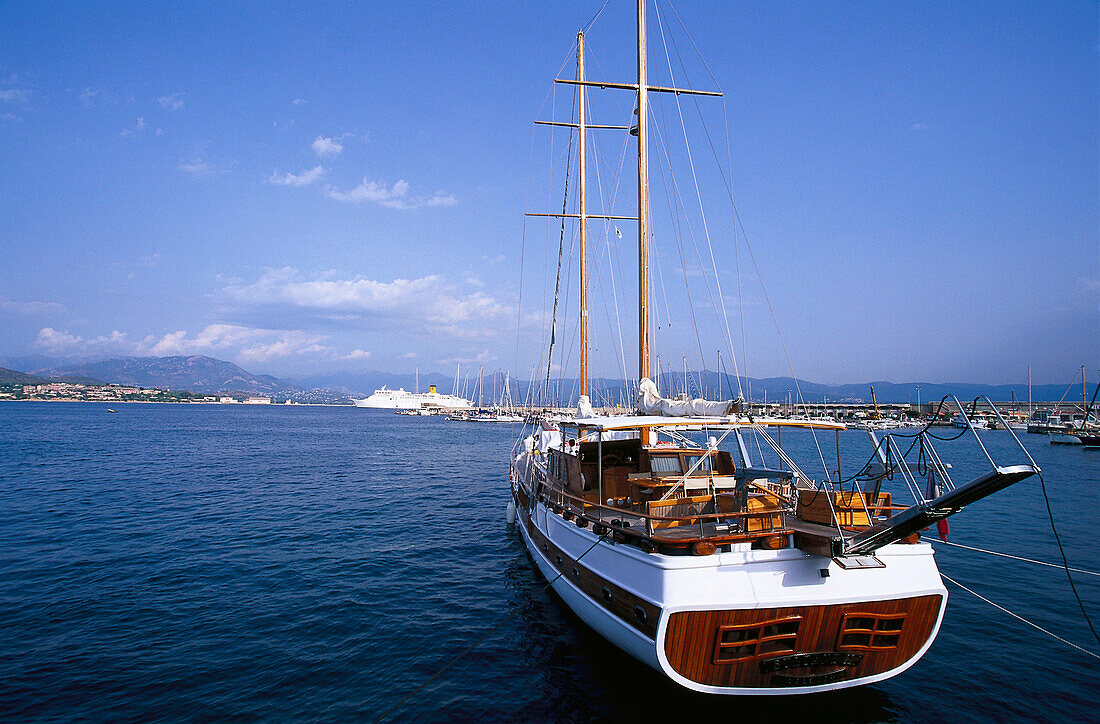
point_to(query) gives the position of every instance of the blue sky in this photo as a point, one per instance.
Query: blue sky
(341, 186)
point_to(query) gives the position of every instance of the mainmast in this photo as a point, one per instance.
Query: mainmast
(643, 201)
(582, 211)
(642, 89)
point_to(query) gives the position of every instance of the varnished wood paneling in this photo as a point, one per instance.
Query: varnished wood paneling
(691, 638)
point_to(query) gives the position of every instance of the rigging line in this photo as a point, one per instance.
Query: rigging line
(678, 215)
(680, 206)
(1021, 618)
(523, 239)
(662, 146)
(726, 175)
(596, 16)
(621, 356)
(543, 392)
(561, 245)
(663, 155)
(720, 306)
(691, 40)
(1015, 558)
(617, 294)
(1065, 562)
(478, 642)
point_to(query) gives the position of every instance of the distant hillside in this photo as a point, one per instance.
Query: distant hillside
(198, 374)
(11, 377)
(208, 375)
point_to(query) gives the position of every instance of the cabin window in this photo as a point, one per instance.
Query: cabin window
(739, 643)
(665, 465)
(869, 631)
(707, 466)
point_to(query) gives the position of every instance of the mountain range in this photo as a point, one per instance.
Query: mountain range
(197, 373)
(202, 374)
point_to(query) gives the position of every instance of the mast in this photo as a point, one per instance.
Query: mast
(643, 200)
(1084, 396)
(582, 212)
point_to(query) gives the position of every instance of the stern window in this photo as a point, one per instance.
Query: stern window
(870, 632)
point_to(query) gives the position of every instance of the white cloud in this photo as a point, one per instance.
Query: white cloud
(393, 197)
(920, 126)
(95, 97)
(53, 341)
(439, 198)
(298, 101)
(357, 354)
(138, 128)
(245, 343)
(327, 146)
(173, 102)
(13, 95)
(305, 178)
(429, 304)
(31, 307)
(196, 165)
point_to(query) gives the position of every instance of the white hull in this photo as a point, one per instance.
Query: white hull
(739, 580)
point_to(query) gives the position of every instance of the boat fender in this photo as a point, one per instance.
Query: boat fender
(510, 513)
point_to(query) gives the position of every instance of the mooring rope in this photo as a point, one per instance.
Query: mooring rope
(1015, 558)
(1021, 618)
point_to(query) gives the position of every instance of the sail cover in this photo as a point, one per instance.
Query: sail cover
(650, 402)
(584, 407)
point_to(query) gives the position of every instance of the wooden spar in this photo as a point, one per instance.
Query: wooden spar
(643, 200)
(633, 87)
(574, 125)
(582, 211)
(587, 216)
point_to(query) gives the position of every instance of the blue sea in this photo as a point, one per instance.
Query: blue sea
(187, 562)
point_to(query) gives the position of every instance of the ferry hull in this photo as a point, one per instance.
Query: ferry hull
(750, 622)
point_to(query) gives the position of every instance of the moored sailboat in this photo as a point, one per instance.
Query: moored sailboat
(728, 574)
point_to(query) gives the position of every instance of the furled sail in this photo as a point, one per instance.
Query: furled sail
(650, 402)
(584, 407)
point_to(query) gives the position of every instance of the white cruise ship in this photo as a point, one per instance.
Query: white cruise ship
(402, 399)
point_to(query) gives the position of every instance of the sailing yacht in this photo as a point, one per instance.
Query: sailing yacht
(667, 532)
